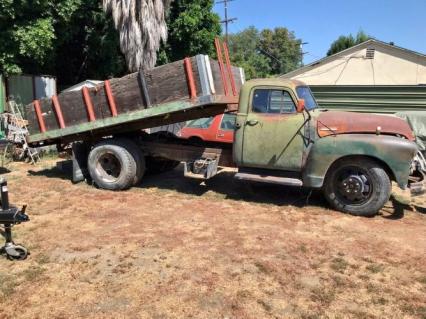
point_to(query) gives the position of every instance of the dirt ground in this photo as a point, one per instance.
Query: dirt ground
(181, 248)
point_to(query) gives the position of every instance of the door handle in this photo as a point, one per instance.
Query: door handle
(252, 122)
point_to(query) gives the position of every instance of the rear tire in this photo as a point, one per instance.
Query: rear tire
(116, 164)
(357, 186)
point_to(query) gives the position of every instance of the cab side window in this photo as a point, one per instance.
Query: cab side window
(272, 101)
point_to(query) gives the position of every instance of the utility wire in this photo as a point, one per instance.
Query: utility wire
(227, 20)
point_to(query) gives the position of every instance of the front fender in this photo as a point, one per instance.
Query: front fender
(395, 152)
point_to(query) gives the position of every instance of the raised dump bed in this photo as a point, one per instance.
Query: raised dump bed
(180, 91)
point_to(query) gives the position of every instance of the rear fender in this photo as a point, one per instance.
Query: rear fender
(396, 153)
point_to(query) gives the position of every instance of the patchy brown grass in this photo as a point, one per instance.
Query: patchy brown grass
(181, 248)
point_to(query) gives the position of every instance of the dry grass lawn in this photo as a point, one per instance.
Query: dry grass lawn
(180, 248)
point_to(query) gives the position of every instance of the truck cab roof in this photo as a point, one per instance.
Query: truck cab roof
(275, 82)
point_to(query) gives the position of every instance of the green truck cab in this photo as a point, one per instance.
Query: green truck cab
(282, 137)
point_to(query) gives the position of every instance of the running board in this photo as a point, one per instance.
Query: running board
(269, 179)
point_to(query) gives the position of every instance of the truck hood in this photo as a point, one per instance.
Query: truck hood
(332, 123)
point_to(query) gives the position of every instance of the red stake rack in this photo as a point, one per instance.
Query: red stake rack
(229, 68)
(89, 104)
(190, 77)
(39, 115)
(58, 111)
(110, 98)
(221, 66)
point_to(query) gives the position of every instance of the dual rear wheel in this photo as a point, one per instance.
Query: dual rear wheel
(118, 164)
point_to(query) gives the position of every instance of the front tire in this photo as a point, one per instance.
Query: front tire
(116, 164)
(358, 186)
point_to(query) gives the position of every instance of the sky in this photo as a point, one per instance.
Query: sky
(320, 22)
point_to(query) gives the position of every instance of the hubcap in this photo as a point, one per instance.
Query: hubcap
(353, 185)
(109, 167)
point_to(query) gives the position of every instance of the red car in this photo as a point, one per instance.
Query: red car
(219, 128)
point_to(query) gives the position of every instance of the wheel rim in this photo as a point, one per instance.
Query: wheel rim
(19, 253)
(353, 185)
(108, 167)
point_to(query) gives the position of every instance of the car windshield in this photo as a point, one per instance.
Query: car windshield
(200, 123)
(304, 92)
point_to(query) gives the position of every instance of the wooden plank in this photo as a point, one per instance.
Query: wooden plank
(217, 77)
(164, 85)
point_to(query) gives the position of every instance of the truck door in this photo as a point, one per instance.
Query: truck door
(271, 138)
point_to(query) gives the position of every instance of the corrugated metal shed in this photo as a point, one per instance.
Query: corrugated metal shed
(375, 99)
(20, 89)
(45, 86)
(24, 89)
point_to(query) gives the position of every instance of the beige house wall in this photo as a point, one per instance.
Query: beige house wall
(390, 66)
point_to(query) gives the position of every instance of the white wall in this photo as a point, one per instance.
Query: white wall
(390, 66)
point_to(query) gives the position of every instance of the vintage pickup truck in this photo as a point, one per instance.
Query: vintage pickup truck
(280, 137)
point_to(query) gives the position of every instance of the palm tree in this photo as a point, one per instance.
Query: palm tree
(142, 27)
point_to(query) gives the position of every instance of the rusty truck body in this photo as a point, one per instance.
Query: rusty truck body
(280, 137)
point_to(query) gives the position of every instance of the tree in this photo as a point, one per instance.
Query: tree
(265, 53)
(192, 27)
(72, 39)
(283, 49)
(75, 39)
(27, 35)
(87, 45)
(345, 42)
(142, 27)
(244, 52)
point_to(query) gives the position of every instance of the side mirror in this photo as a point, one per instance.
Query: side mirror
(300, 105)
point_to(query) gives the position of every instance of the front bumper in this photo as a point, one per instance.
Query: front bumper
(417, 179)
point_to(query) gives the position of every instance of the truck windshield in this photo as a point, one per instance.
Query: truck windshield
(304, 92)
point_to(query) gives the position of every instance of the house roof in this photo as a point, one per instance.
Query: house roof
(355, 48)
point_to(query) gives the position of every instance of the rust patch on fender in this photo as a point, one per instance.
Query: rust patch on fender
(331, 123)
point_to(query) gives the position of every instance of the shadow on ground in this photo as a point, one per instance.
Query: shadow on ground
(224, 186)
(62, 170)
(4, 170)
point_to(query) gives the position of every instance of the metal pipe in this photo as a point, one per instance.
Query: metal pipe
(39, 115)
(222, 69)
(229, 68)
(58, 111)
(110, 98)
(88, 103)
(190, 75)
